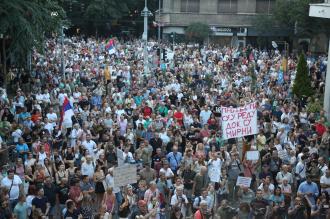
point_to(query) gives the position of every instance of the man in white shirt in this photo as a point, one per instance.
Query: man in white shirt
(180, 200)
(322, 166)
(14, 184)
(87, 168)
(325, 181)
(52, 117)
(284, 174)
(205, 115)
(139, 121)
(49, 126)
(90, 145)
(267, 181)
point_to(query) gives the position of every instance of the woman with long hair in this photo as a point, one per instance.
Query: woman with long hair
(108, 201)
(277, 200)
(49, 171)
(86, 208)
(98, 178)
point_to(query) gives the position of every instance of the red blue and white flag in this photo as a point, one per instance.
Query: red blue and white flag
(67, 112)
(111, 46)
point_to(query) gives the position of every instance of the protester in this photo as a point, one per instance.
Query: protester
(70, 130)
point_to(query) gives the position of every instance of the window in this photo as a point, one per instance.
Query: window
(265, 6)
(190, 6)
(227, 6)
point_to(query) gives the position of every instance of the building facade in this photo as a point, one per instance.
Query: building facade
(228, 19)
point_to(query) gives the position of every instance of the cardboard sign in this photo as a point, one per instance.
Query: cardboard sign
(239, 122)
(124, 175)
(252, 155)
(243, 181)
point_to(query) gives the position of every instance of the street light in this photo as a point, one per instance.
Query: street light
(145, 13)
(55, 14)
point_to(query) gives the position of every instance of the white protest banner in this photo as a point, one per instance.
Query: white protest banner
(243, 181)
(239, 122)
(125, 175)
(252, 155)
(120, 157)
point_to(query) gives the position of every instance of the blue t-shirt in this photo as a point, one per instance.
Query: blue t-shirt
(22, 147)
(277, 199)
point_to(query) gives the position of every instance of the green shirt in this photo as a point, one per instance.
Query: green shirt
(21, 210)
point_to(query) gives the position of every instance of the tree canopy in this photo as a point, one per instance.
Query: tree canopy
(292, 16)
(197, 32)
(24, 24)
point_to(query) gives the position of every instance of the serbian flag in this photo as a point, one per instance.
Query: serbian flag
(111, 46)
(66, 113)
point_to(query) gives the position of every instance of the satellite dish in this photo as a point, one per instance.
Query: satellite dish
(274, 44)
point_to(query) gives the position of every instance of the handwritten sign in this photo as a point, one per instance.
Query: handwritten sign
(124, 175)
(243, 181)
(239, 122)
(252, 155)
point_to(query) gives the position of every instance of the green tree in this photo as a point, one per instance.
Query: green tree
(197, 32)
(302, 83)
(24, 24)
(105, 11)
(292, 16)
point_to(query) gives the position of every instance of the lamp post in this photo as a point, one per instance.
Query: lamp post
(159, 46)
(145, 13)
(62, 52)
(55, 14)
(159, 6)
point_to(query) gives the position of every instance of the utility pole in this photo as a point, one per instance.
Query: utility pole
(145, 13)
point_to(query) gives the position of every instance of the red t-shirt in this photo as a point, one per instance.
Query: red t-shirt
(320, 129)
(179, 117)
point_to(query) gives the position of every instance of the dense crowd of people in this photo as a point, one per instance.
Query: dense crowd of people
(168, 124)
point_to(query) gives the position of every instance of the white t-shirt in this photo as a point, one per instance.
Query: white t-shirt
(12, 185)
(326, 181)
(52, 117)
(87, 169)
(90, 146)
(168, 173)
(178, 200)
